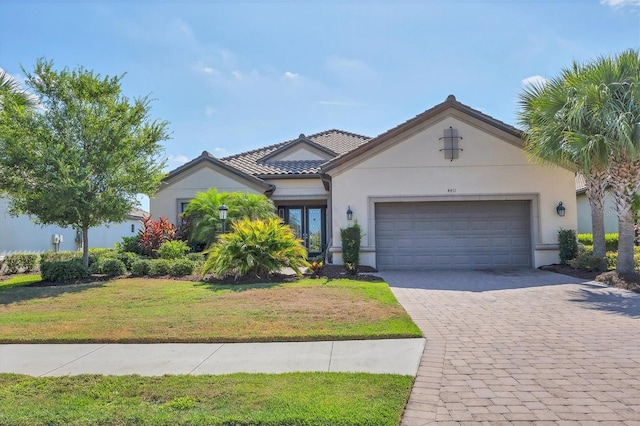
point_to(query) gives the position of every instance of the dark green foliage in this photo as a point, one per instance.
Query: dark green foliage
(102, 149)
(182, 267)
(63, 271)
(131, 245)
(568, 245)
(587, 261)
(20, 262)
(158, 267)
(112, 267)
(351, 237)
(256, 248)
(171, 250)
(140, 267)
(127, 258)
(196, 257)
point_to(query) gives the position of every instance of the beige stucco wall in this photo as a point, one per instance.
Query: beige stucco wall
(411, 168)
(298, 189)
(186, 185)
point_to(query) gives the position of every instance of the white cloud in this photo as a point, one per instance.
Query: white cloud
(620, 3)
(351, 70)
(210, 111)
(534, 80)
(291, 75)
(178, 159)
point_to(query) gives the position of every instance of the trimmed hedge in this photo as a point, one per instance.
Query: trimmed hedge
(20, 262)
(63, 271)
(182, 267)
(140, 267)
(158, 267)
(568, 245)
(610, 241)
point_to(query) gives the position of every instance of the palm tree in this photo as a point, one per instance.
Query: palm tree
(10, 90)
(614, 95)
(557, 132)
(251, 206)
(590, 116)
(204, 217)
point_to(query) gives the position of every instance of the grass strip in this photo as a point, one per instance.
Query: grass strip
(20, 280)
(145, 310)
(239, 399)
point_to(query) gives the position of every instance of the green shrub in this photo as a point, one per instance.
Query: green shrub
(171, 250)
(159, 267)
(20, 262)
(182, 267)
(351, 237)
(196, 257)
(59, 256)
(568, 245)
(63, 271)
(140, 267)
(127, 258)
(256, 248)
(112, 267)
(587, 261)
(610, 241)
(130, 245)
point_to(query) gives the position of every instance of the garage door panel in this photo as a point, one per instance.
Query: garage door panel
(464, 235)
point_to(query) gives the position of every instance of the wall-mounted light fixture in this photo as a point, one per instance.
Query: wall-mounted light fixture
(349, 213)
(560, 209)
(223, 210)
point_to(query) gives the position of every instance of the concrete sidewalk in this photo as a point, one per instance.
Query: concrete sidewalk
(395, 356)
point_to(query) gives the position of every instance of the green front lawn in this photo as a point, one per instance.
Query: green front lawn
(162, 310)
(240, 399)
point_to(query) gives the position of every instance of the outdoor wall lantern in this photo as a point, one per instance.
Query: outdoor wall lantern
(560, 209)
(349, 213)
(223, 210)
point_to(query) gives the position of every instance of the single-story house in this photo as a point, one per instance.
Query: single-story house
(22, 235)
(450, 188)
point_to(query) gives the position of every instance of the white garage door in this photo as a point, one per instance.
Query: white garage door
(453, 235)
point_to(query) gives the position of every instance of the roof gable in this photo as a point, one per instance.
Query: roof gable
(514, 134)
(301, 149)
(207, 158)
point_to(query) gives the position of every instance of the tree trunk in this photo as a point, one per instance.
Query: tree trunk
(625, 181)
(596, 183)
(85, 246)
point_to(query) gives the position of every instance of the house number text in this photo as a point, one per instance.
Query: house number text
(451, 190)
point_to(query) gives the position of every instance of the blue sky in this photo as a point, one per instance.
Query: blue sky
(234, 75)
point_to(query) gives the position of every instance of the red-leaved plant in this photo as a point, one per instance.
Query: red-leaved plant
(155, 232)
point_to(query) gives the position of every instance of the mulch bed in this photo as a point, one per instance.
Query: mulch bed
(611, 278)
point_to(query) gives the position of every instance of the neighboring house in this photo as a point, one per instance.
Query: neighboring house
(584, 210)
(450, 188)
(21, 235)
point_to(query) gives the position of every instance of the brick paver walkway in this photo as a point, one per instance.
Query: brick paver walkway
(522, 348)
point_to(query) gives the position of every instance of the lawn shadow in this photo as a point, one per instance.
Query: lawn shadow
(607, 299)
(14, 294)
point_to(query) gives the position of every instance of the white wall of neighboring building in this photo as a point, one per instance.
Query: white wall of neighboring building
(411, 167)
(21, 235)
(584, 215)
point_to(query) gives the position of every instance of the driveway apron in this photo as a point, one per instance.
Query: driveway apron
(522, 347)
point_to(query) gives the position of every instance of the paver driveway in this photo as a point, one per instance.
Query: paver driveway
(522, 347)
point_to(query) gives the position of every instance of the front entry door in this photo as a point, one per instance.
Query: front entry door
(308, 224)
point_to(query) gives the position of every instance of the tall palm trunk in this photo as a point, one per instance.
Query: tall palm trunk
(596, 181)
(625, 183)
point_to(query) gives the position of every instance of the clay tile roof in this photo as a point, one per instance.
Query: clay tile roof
(251, 162)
